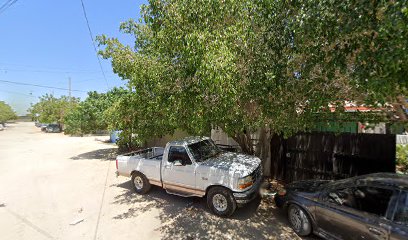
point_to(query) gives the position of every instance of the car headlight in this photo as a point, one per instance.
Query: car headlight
(245, 182)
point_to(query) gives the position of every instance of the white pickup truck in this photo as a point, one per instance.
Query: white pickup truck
(195, 166)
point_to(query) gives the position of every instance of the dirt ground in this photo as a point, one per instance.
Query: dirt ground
(54, 186)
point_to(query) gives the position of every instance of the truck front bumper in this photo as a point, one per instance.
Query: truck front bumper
(245, 197)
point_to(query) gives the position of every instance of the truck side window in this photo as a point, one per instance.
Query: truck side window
(401, 215)
(179, 153)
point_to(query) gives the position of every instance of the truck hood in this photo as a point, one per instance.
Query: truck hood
(234, 163)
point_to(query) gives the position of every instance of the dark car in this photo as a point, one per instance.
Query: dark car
(43, 126)
(373, 206)
(53, 128)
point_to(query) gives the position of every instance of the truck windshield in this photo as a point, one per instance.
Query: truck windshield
(203, 150)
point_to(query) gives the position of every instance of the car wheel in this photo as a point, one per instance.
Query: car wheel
(299, 220)
(221, 201)
(140, 183)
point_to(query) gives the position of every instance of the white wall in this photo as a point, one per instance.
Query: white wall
(220, 137)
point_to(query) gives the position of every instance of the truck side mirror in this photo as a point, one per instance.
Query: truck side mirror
(177, 163)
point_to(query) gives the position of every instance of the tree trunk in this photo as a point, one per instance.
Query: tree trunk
(261, 149)
(245, 142)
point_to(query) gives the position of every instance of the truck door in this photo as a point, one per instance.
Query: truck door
(178, 173)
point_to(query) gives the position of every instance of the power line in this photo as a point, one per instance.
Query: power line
(42, 86)
(28, 95)
(45, 69)
(6, 5)
(93, 43)
(79, 81)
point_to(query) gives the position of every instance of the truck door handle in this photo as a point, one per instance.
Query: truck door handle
(167, 166)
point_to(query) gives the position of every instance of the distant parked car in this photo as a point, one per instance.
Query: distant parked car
(1, 127)
(53, 128)
(43, 126)
(37, 124)
(373, 206)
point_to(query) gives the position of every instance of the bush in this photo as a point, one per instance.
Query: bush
(128, 142)
(402, 157)
(6, 113)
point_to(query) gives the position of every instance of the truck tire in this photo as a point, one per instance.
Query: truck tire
(221, 201)
(299, 220)
(140, 183)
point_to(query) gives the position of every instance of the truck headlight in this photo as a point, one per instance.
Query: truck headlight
(245, 182)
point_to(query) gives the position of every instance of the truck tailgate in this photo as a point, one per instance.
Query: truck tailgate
(122, 165)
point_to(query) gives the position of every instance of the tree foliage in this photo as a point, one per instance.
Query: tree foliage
(402, 157)
(247, 65)
(6, 112)
(50, 109)
(89, 115)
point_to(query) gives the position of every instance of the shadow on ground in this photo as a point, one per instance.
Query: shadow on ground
(189, 218)
(100, 154)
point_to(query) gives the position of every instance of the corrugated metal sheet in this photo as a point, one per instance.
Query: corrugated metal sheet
(402, 139)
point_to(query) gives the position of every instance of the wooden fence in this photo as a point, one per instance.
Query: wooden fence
(331, 156)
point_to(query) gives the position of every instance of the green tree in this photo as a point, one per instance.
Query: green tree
(6, 112)
(89, 115)
(248, 65)
(50, 109)
(402, 157)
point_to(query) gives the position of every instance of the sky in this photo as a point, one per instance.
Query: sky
(47, 42)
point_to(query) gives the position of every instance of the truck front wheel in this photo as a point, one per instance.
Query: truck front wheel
(221, 201)
(140, 183)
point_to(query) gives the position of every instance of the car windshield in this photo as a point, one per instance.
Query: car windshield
(339, 183)
(203, 150)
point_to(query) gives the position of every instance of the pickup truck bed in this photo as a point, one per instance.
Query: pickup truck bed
(149, 160)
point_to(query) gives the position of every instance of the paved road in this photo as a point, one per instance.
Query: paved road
(58, 187)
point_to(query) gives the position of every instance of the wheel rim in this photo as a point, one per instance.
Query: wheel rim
(220, 203)
(295, 218)
(138, 181)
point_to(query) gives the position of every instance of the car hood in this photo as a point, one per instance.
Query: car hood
(234, 163)
(309, 186)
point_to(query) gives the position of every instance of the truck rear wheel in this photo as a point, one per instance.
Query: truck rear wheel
(221, 201)
(140, 183)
